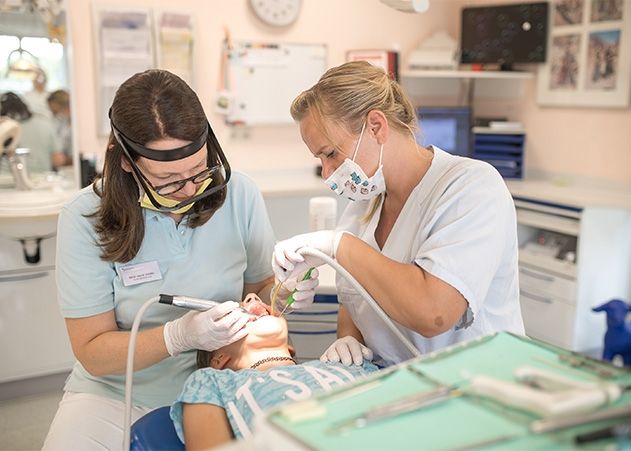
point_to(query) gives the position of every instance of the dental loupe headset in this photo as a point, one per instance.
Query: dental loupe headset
(219, 165)
(202, 305)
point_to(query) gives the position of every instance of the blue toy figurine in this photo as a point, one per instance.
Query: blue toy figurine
(618, 335)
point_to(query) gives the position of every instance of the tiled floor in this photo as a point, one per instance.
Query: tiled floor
(24, 421)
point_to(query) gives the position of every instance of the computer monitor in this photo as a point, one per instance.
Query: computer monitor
(504, 34)
(448, 128)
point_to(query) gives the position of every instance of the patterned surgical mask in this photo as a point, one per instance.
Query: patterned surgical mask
(350, 180)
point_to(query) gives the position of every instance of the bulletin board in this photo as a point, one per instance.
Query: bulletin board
(264, 78)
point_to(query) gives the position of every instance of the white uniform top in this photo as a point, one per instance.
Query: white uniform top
(459, 225)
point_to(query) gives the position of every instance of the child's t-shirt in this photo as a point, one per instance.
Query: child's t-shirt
(249, 392)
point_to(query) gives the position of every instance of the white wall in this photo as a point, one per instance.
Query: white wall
(580, 142)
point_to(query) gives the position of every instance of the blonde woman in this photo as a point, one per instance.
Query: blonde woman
(431, 236)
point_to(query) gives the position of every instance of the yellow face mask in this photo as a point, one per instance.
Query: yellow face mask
(146, 203)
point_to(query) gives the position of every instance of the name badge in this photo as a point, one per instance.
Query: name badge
(140, 273)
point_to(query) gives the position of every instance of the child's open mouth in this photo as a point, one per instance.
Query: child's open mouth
(254, 306)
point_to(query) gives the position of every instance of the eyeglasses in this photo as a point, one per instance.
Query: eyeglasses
(221, 167)
(174, 187)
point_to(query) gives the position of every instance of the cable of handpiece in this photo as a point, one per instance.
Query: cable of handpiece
(168, 299)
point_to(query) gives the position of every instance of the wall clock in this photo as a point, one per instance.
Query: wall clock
(277, 13)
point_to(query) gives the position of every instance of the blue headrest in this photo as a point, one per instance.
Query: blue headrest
(155, 431)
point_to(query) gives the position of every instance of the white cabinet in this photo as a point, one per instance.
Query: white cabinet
(570, 260)
(33, 337)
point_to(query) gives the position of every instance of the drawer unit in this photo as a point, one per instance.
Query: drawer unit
(504, 151)
(537, 281)
(311, 338)
(547, 318)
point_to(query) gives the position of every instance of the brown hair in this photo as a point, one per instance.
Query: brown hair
(345, 95)
(13, 106)
(204, 358)
(150, 105)
(59, 97)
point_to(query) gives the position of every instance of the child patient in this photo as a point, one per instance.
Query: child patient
(236, 382)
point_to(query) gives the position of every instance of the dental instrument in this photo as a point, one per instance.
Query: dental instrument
(274, 295)
(546, 394)
(190, 303)
(557, 424)
(396, 408)
(194, 304)
(290, 299)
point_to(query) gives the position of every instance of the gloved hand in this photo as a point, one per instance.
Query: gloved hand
(347, 350)
(288, 263)
(305, 294)
(209, 330)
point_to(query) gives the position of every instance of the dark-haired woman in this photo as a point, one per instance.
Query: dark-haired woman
(167, 216)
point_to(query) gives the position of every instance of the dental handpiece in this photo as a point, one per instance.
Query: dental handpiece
(189, 302)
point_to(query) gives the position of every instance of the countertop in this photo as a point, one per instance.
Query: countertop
(557, 190)
(582, 194)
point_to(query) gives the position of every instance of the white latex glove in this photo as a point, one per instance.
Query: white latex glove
(347, 350)
(209, 330)
(305, 294)
(288, 263)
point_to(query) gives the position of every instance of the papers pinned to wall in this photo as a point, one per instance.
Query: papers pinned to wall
(175, 44)
(125, 48)
(128, 42)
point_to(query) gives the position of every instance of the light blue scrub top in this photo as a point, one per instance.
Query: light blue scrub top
(212, 261)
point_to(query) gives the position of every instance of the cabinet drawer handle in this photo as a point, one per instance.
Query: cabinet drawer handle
(36, 275)
(536, 275)
(315, 332)
(534, 297)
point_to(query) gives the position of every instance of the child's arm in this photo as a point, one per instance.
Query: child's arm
(205, 426)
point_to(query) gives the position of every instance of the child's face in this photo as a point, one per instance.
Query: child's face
(265, 332)
(264, 326)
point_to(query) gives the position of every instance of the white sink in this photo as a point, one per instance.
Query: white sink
(31, 214)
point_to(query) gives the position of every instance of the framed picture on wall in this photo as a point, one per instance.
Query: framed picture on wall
(589, 54)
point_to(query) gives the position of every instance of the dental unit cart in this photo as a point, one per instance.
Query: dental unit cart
(501, 391)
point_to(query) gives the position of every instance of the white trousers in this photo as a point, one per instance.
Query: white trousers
(89, 422)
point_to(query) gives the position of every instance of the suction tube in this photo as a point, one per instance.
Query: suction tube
(361, 290)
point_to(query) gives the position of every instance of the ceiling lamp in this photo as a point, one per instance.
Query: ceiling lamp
(408, 6)
(22, 63)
